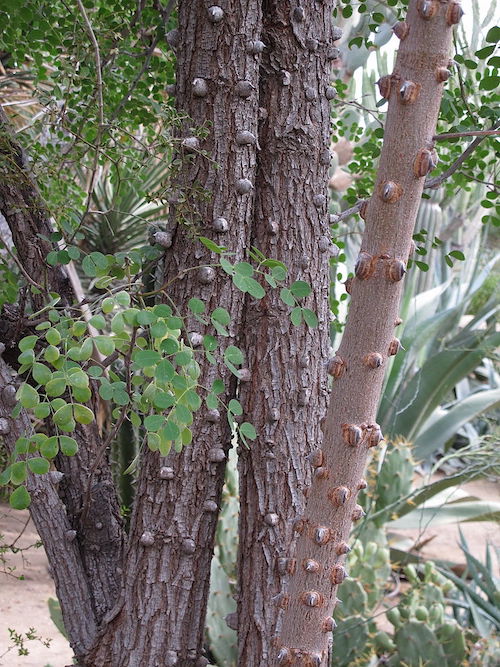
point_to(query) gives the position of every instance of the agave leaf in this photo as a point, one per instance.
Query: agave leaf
(480, 573)
(435, 436)
(420, 496)
(490, 610)
(435, 380)
(476, 510)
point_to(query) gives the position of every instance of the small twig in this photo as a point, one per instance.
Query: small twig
(100, 106)
(457, 135)
(337, 217)
(21, 267)
(435, 182)
(93, 39)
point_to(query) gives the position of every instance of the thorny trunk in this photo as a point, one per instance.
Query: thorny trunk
(89, 503)
(286, 397)
(167, 576)
(414, 90)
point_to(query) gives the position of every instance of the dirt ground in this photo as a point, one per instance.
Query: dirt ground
(23, 602)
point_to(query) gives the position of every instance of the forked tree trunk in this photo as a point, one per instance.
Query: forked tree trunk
(414, 91)
(161, 620)
(287, 395)
(99, 535)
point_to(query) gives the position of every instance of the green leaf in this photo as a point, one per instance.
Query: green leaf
(182, 414)
(234, 355)
(196, 306)
(49, 448)
(211, 401)
(244, 269)
(211, 245)
(27, 343)
(300, 289)
(78, 379)
(220, 315)
(55, 387)
(493, 34)
(20, 498)
(170, 431)
(27, 357)
(94, 264)
(82, 414)
(164, 371)
(248, 430)
(123, 298)
(38, 465)
(69, 446)
(22, 446)
(18, 472)
(154, 441)
(63, 415)
(154, 422)
(118, 323)
(105, 345)
(41, 373)
(310, 318)
(52, 336)
(42, 410)
(296, 316)
(145, 358)
(218, 386)
(186, 436)
(159, 329)
(457, 254)
(27, 396)
(287, 297)
(51, 354)
(234, 406)
(227, 266)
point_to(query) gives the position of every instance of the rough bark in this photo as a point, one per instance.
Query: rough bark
(376, 291)
(49, 516)
(286, 398)
(166, 583)
(99, 534)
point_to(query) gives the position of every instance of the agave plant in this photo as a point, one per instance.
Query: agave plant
(121, 209)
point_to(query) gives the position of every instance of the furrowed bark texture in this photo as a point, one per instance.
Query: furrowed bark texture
(376, 292)
(286, 397)
(167, 582)
(99, 529)
(49, 516)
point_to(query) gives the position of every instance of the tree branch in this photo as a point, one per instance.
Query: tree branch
(473, 133)
(437, 180)
(49, 515)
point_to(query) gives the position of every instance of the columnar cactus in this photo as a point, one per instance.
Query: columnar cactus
(414, 95)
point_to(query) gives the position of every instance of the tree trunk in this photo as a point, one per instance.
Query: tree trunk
(167, 574)
(53, 526)
(90, 503)
(414, 92)
(286, 398)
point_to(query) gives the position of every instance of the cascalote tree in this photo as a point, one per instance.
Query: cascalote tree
(414, 92)
(287, 395)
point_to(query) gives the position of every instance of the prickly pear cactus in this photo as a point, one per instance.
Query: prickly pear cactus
(417, 645)
(394, 478)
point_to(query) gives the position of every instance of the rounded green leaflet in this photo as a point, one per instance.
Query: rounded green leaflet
(27, 343)
(82, 414)
(27, 396)
(26, 357)
(38, 465)
(20, 498)
(18, 472)
(55, 387)
(41, 373)
(68, 445)
(63, 414)
(49, 447)
(51, 354)
(52, 336)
